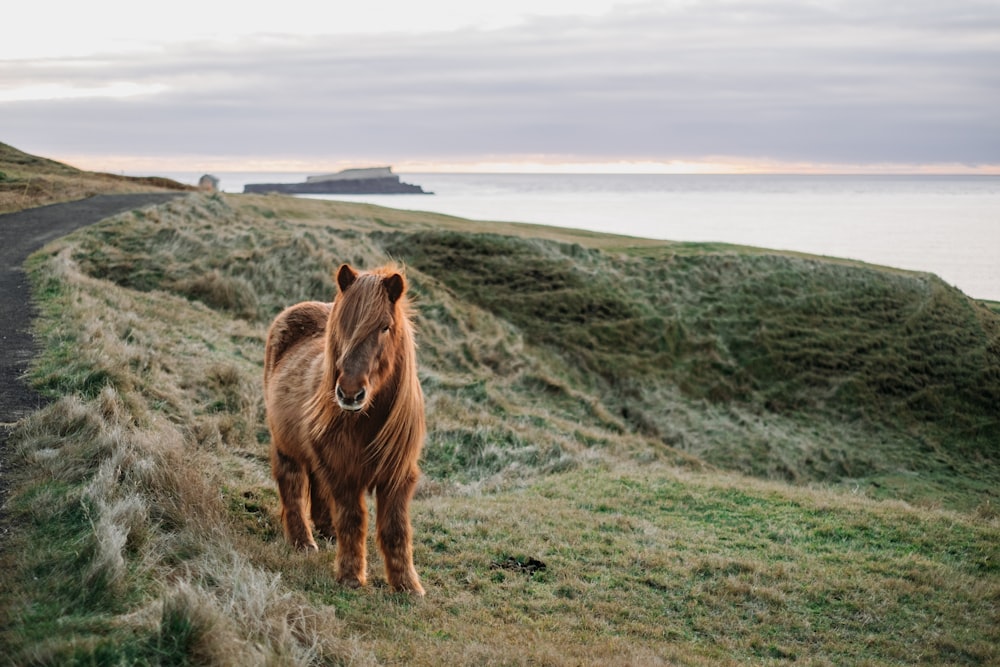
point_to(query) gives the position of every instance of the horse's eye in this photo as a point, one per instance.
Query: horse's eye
(385, 329)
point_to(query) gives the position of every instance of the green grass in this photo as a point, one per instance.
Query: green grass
(721, 455)
(650, 564)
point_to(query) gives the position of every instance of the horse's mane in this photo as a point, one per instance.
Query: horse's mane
(405, 423)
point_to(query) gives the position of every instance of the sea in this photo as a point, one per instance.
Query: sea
(947, 225)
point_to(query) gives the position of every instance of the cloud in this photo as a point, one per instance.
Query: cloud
(835, 82)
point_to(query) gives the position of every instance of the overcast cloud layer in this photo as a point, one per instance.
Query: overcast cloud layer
(850, 82)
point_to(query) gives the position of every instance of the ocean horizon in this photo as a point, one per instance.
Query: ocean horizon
(946, 225)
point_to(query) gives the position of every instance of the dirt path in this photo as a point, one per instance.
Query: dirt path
(21, 234)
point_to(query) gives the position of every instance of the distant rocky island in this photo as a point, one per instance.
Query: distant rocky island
(368, 181)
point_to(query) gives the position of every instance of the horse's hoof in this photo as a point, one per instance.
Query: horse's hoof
(417, 590)
(350, 582)
(411, 587)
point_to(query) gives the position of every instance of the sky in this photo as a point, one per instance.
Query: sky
(519, 85)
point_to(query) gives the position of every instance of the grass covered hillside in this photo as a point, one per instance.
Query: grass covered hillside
(771, 347)
(27, 181)
(638, 452)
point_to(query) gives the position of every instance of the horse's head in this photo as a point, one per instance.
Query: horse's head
(365, 333)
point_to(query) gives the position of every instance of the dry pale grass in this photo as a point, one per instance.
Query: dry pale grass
(154, 531)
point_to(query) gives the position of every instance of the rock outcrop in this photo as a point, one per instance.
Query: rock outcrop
(373, 181)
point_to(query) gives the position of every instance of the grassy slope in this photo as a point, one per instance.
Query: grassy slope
(584, 393)
(27, 181)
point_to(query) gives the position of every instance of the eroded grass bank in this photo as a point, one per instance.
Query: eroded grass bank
(27, 181)
(573, 423)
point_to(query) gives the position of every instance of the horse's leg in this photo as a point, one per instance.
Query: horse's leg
(350, 515)
(395, 536)
(293, 484)
(321, 507)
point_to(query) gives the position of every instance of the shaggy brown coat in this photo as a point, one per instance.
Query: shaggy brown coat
(346, 415)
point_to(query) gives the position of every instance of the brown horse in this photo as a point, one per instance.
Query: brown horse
(346, 414)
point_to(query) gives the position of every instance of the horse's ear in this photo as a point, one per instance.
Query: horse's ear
(346, 276)
(394, 286)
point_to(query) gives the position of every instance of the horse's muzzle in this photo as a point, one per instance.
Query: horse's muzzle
(351, 403)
